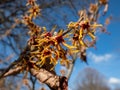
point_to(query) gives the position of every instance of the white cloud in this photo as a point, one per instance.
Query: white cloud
(99, 58)
(113, 80)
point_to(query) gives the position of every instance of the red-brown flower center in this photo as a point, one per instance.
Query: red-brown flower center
(59, 39)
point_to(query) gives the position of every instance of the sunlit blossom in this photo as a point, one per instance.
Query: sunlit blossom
(34, 11)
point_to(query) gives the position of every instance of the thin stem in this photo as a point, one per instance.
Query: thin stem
(71, 67)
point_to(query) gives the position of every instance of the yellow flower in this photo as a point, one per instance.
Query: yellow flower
(34, 11)
(82, 29)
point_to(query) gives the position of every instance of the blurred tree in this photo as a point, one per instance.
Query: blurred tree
(117, 87)
(8, 84)
(90, 79)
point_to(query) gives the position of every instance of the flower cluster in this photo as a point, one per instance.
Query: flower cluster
(34, 10)
(52, 47)
(83, 28)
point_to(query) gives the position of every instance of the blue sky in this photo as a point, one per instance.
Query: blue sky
(106, 58)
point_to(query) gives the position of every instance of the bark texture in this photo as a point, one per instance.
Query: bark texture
(53, 81)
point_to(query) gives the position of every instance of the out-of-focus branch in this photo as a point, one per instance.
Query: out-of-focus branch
(33, 80)
(6, 1)
(70, 69)
(9, 30)
(13, 71)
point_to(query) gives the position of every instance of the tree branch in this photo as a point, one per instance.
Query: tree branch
(53, 81)
(70, 69)
(12, 72)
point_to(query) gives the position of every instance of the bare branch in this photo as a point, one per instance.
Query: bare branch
(13, 71)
